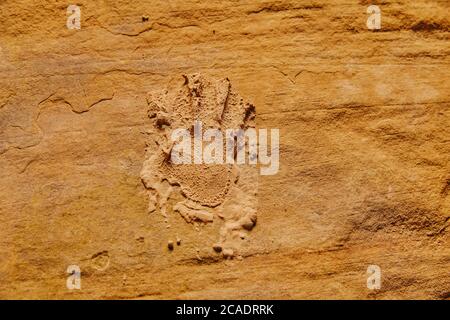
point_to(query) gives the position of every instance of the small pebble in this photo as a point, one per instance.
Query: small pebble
(217, 248)
(170, 245)
(228, 253)
(248, 225)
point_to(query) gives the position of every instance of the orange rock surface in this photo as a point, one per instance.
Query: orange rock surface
(364, 176)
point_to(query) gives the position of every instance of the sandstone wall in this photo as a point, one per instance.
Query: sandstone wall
(364, 148)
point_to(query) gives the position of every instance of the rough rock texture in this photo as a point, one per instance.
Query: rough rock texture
(364, 132)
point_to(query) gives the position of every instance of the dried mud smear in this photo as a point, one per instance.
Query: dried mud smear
(200, 193)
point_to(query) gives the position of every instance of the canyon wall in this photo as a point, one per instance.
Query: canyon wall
(364, 175)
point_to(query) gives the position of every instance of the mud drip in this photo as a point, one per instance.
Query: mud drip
(205, 193)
